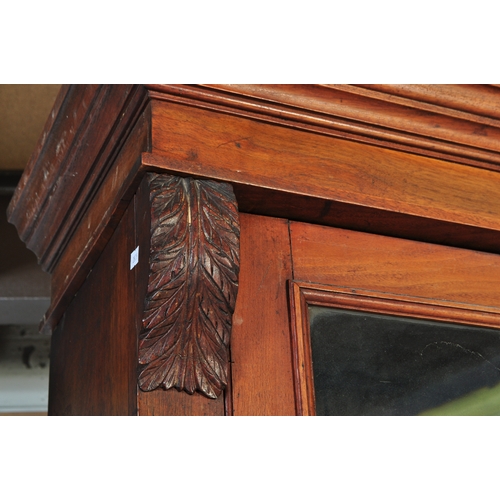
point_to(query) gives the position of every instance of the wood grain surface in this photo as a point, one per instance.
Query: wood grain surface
(258, 154)
(370, 262)
(192, 288)
(415, 162)
(97, 224)
(174, 403)
(458, 123)
(279, 145)
(91, 125)
(307, 294)
(160, 401)
(258, 200)
(260, 347)
(94, 348)
(478, 101)
(305, 402)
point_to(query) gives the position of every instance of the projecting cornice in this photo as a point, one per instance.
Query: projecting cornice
(79, 145)
(84, 134)
(460, 123)
(412, 161)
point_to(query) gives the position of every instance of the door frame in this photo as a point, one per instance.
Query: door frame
(304, 294)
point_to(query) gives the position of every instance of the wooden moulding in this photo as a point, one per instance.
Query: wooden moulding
(460, 123)
(193, 282)
(304, 294)
(86, 130)
(333, 155)
(89, 125)
(300, 163)
(96, 224)
(394, 265)
(304, 176)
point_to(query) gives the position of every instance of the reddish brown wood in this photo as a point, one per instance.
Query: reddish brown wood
(301, 348)
(391, 265)
(259, 200)
(261, 355)
(400, 305)
(193, 283)
(479, 102)
(46, 141)
(412, 116)
(359, 271)
(369, 158)
(282, 160)
(180, 404)
(160, 401)
(461, 128)
(74, 165)
(97, 224)
(94, 355)
(305, 294)
(91, 126)
(94, 348)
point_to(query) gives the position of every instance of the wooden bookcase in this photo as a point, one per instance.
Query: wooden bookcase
(245, 202)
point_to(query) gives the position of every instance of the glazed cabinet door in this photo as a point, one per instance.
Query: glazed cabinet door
(386, 326)
(336, 322)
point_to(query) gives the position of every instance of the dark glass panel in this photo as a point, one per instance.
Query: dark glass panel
(373, 364)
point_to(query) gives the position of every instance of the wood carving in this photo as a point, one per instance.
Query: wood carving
(193, 282)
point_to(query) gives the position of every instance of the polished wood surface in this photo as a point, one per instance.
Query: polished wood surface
(159, 401)
(433, 308)
(459, 123)
(247, 152)
(274, 144)
(307, 294)
(315, 169)
(363, 272)
(97, 224)
(95, 359)
(261, 354)
(86, 130)
(370, 262)
(256, 199)
(301, 350)
(94, 349)
(179, 404)
(478, 101)
(193, 283)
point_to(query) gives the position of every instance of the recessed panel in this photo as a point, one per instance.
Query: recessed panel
(373, 364)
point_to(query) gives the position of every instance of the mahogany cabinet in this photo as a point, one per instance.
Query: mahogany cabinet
(189, 229)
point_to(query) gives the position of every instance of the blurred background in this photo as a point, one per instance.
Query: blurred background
(24, 287)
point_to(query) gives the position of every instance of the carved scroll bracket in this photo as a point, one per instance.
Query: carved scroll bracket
(193, 282)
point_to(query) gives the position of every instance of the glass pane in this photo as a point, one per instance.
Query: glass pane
(373, 364)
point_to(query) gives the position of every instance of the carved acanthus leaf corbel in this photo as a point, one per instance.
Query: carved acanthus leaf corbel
(193, 282)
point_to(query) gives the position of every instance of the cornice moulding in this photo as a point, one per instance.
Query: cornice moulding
(460, 123)
(98, 141)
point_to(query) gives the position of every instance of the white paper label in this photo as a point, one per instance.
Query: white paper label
(134, 258)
